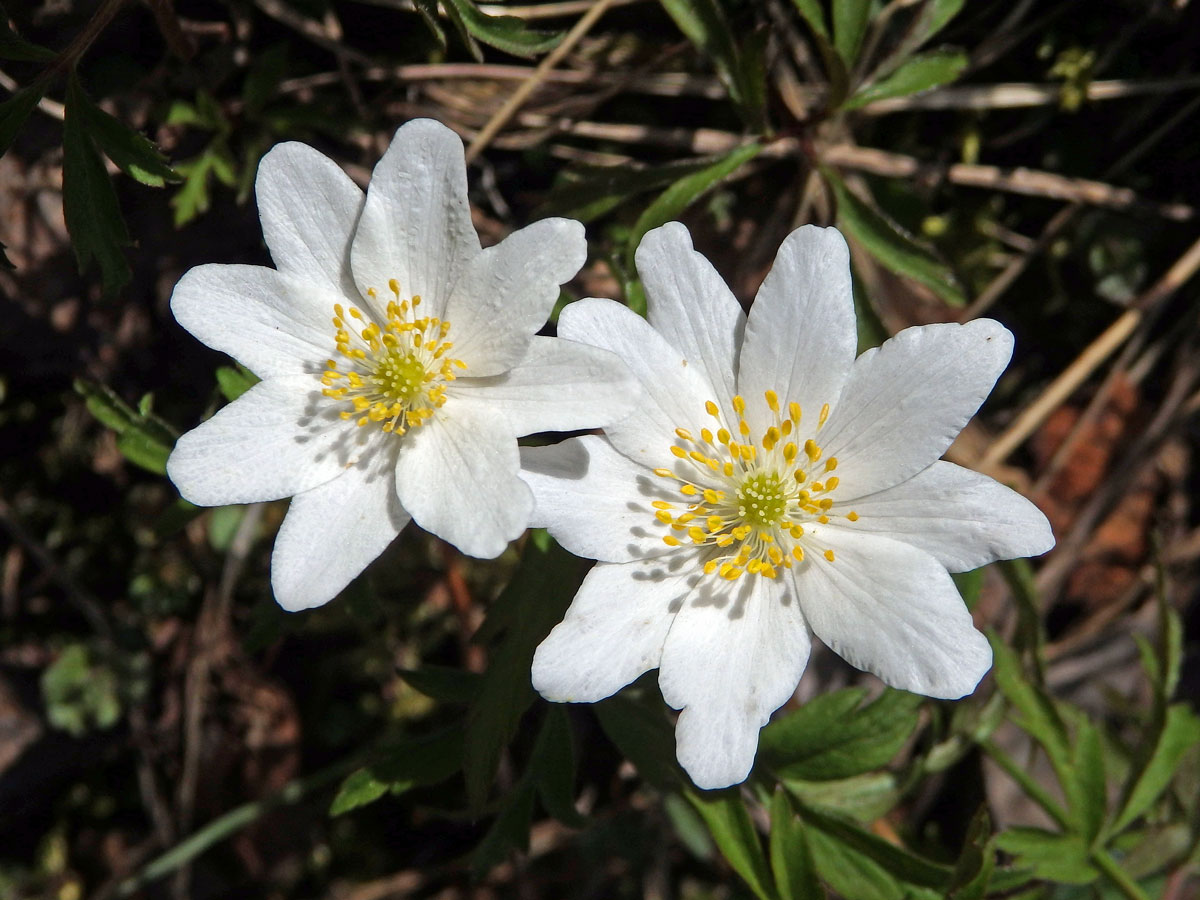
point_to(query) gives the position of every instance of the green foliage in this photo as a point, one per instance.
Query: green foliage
(15, 110)
(142, 437)
(235, 380)
(917, 73)
(80, 695)
(17, 48)
(399, 766)
(850, 19)
(507, 33)
(729, 823)
(791, 859)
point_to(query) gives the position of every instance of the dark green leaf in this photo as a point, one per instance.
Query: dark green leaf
(644, 737)
(812, 13)
(600, 191)
(1037, 714)
(235, 381)
(15, 110)
(1086, 787)
(684, 192)
(553, 767)
(863, 798)
(399, 766)
(897, 862)
(263, 77)
(446, 683)
(850, 19)
(533, 603)
(703, 22)
(132, 153)
(885, 241)
(729, 823)
(1179, 733)
(428, 10)
(89, 202)
(507, 33)
(143, 438)
(852, 874)
(17, 48)
(969, 585)
(938, 14)
(360, 788)
(976, 862)
(509, 831)
(791, 860)
(917, 73)
(1055, 857)
(830, 738)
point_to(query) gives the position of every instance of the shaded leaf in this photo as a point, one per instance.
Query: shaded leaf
(17, 48)
(791, 860)
(917, 73)
(448, 684)
(975, 864)
(15, 110)
(728, 821)
(811, 12)
(937, 14)
(143, 438)
(263, 77)
(644, 737)
(1179, 733)
(428, 10)
(969, 585)
(863, 798)
(600, 191)
(509, 831)
(400, 766)
(360, 788)
(850, 18)
(1055, 857)
(1036, 713)
(507, 33)
(553, 767)
(131, 152)
(853, 874)
(703, 22)
(884, 240)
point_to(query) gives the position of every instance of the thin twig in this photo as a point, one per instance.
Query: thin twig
(1015, 95)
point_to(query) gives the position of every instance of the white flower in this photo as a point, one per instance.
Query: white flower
(399, 363)
(769, 486)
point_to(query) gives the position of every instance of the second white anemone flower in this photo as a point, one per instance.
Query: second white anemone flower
(399, 363)
(770, 486)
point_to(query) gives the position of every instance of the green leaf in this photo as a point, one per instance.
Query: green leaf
(854, 874)
(1086, 787)
(976, 862)
(360, 788)
(533, 603)
(884, 240)
(725, 814)
(142, 437)
(599, 191)
(684, 192)
(132, 153)
(938, 14)
(507, 33)
(1180, 732)
(811, 12)
(969, 585)
(262, 79)
(791, 859)
(917, 73)
(863, 798)
(850, 19)
(448, 684)
(19, 49)
(644, 737)
(553, 767)
(15, 110)
(428, 11)
(703, 22)
(143, 450)
(89, 202)
(1037, 714)
(509, 831)
(400, 766)
(830, 738)
(1062, 858)
(235, 381)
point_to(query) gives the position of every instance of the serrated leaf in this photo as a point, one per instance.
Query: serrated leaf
(1086, 788)
(917, 73)
(884, 240)
(791, 860)
(235, 381)
(507, 33)
(1062, 858)
(143, 438)
(15, 110)
(644, 737)
(1179, 733)
(728, 821)
(533, 603)
(448, 684)
(131, 152)
(686, 191)
(553, 767)
(20, 49)
(90, 205)
(850, 18)
(829, 738)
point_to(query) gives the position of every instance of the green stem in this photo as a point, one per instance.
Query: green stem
(1117, 875)
(1035, 791)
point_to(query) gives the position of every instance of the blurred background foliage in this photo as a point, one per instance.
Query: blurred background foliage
(167, 731)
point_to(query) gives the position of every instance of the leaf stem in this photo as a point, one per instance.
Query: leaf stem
(1035, 791)
(1117, 875)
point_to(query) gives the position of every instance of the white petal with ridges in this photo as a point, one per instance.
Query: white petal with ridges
(690, 305)
(801, 333)
(891, 609)
(265, 320)
(673, 393)
(457, 478)
(613, 632)
(416, 223)
(734, 655)
(279, 438)
(594, 501)
(309, 208)
(964, 519)
(332, 532)
(559, 385)
(906, 401)
(506, 293)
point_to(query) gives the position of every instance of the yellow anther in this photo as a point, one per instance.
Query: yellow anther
(710, 567)
(663, 516)
(711, 408)
(689, 490)
(727, 468)
(800, 475)
(714, 523)
(786, 427)
(711, 496)
(817, 487)
(706, 435)
(671, 541)
(739, 404)
(832, 483)
(772, 401)
(697, 535)
(812, 450)
(829, 555)
(678, 451)
(831, 464)
(794, 412)
(683, 434)
(723, 436)
(767, 570)
(743, 427)
(824, 520)
(798, 552)
(796, 531)
(686, 517)
(824, 415)
(852, 516)
(662, 504)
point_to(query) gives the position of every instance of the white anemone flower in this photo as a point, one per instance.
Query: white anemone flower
(770, 486)
(399, 363)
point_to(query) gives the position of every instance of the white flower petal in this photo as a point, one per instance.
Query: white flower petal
(308, 207)
(560, 385)
(673, 393)
(416, 223)
(506, 293)
(690, 305)
(613, 632)
(891, 609)
(963, 519)
(266, 321)
(906, 401)
(594, 501)
(801, 333)
(332, 532)
(279, 438)
(734, 655)
(457, 477)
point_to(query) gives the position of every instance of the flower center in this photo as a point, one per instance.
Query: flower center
(752, 505)
(396, 373)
